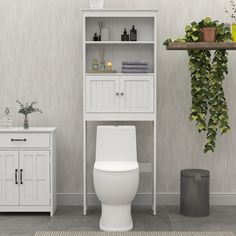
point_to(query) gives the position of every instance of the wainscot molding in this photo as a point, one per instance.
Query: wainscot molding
(145, 199)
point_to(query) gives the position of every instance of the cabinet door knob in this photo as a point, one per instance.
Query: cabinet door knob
(16, 181)
(122, 94)
(117, 94)
(21, 180)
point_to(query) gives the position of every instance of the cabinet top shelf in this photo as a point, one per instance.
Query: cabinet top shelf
(120, 42)
(30, 130)
(120, 74)
(111, 13)
(120, 9)
(202, 45)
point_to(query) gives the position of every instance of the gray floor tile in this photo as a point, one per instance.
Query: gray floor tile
(144, 220)
(220, 219)
(23, 223)
(72, 219)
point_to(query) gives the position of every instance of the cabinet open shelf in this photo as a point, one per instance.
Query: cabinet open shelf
(119, 74)
(116, 53)
(202, 45)
(119, 42)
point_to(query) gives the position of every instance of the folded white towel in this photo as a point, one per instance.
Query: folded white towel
(134, 71)
(134, 66)
(134, 63)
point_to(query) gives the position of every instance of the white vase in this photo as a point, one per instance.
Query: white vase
(105, 34)
(96, 4)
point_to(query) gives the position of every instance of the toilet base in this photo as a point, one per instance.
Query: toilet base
(116, 218)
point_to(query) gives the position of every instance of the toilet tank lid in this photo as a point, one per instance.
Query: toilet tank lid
(116, 166)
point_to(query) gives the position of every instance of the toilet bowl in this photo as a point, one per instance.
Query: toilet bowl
(116, 175)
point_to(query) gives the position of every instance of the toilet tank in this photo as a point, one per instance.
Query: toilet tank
(116, 143)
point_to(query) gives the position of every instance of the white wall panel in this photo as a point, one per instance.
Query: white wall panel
(40, 59)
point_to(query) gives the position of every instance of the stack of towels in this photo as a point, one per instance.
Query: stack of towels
(134, 67)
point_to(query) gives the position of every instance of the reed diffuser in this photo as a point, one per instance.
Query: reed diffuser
(102, 65)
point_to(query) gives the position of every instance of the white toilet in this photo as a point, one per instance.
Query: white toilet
(116, 175)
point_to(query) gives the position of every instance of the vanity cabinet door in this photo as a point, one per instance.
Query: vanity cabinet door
(102, 94)
(34, 178)
(136, 94)
(9, 188)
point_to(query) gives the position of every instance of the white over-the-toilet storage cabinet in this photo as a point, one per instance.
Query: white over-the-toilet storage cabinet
(116, 93)
(120, 96)
(27, 170)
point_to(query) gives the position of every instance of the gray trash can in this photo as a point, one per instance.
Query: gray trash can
(194, 192)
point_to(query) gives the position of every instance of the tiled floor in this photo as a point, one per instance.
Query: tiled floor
(71, 219)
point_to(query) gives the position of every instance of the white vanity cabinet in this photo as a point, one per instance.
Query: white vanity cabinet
(27, 170)
(119, 93)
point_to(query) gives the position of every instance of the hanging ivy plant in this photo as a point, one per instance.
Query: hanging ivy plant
(209, 106)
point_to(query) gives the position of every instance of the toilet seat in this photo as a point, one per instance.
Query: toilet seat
(116, 166)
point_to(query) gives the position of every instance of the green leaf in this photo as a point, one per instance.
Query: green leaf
(187, 28)
(194, 38)
(209, 106)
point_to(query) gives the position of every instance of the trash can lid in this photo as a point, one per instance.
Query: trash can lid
(194, 172)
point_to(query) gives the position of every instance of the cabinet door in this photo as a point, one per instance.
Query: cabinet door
(9, 188)
(102, 94)
(136, 94)
(34, 178)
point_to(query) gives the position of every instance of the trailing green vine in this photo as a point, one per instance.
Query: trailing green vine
(209, 106)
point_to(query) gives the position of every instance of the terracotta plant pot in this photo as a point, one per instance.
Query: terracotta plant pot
(209, 34)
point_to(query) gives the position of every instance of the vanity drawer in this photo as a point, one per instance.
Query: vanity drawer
(8, 140)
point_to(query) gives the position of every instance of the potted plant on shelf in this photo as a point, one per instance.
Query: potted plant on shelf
(209, 106)
(26, 110)
(232, 14)
(208, 29)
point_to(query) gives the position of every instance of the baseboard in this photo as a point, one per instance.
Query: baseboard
(145, 199)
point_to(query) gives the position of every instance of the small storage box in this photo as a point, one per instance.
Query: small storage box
(194, 192)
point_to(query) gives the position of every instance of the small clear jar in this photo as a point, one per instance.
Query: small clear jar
(6, 117)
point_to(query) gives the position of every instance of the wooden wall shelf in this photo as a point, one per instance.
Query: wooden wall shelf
(202, 45)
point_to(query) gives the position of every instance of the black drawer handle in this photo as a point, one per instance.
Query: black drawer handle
(18, 139)
(16, 181)
(21, 181)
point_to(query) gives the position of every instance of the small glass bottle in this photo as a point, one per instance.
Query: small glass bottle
(95, 37)
(102, 65)
(6, 117)
(133, 34)
(95, 65)
(125, 36)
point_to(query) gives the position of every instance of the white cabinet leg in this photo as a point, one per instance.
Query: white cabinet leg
(84, 168)
(154, 169)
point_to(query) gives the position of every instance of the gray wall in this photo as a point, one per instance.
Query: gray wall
(40, 59)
